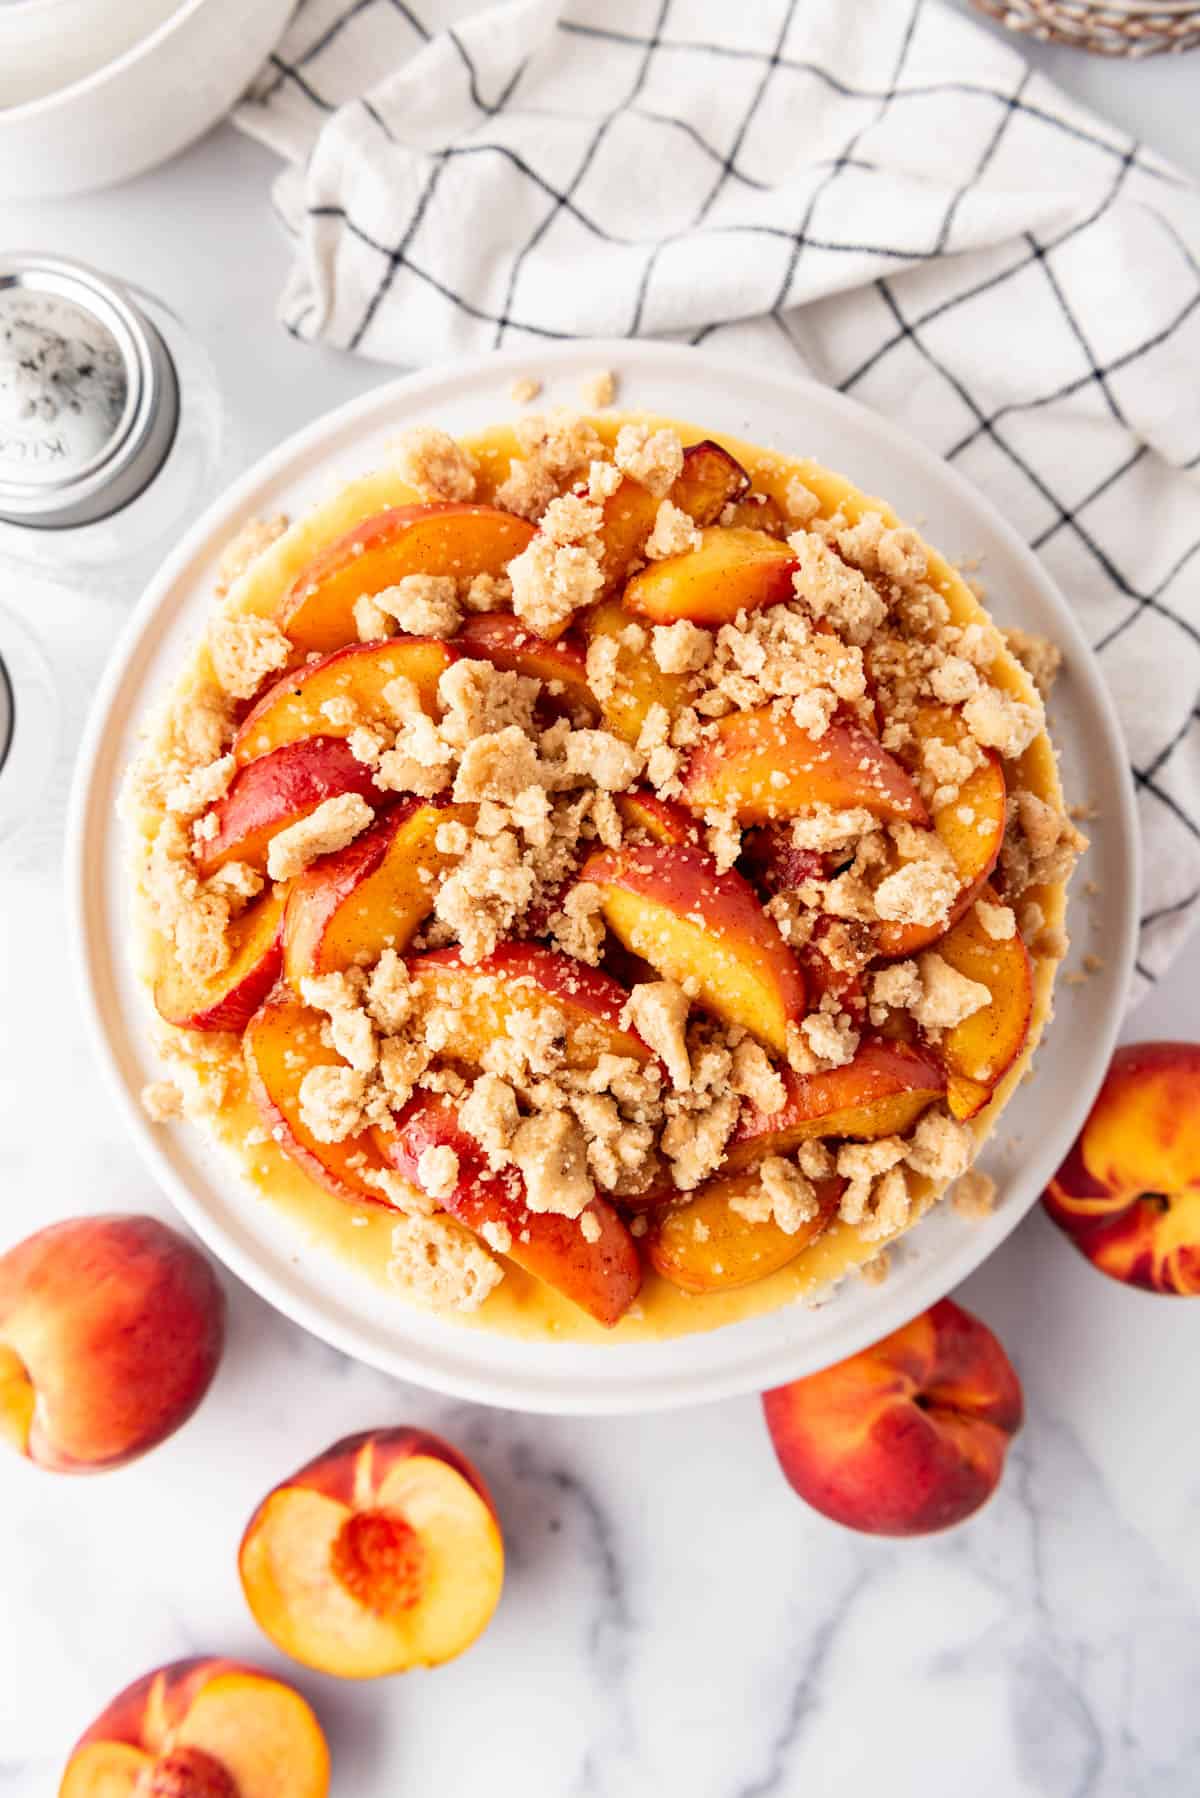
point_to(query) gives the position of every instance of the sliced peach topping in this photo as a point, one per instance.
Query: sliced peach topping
(278, 790)
(358, 674)
(669, 904)
(450, 538)
(882, 1092)
(372, 895)
(638, 681)
(228, 1000)
(381, 1555)
(526, 978)
(502, 639)
(979, 1052)
(705, 1245)
(659, 819)
(733, 570)
(600, 1272)
(710, 479)
(762, 766)
(281, 1043)
(202, 1729)
(971, 826)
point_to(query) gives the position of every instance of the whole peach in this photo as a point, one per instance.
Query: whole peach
(906, 1437)
(111, 1329)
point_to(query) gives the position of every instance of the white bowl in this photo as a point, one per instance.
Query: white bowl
(141, 106)
(345, 1308)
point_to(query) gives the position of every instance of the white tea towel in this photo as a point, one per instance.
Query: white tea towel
(880, 192)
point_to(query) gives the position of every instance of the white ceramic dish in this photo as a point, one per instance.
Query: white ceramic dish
(347, 1310)
(141, 106)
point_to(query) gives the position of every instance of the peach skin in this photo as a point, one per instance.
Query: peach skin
(370, 896)
(734, 570)
(702, 1245)
(763, 766)
(380, 1555)
(201, 1728)
(502, 639)
(1128, 1194)
(111, 1329)
(601, 1276)
(277, 790)
(668, 903)
(450, 538)
(907, 1437)
(661, 820)
(709, 479)
(979, 1052)
(228, 1000)
(281, 1043)
(291, 709)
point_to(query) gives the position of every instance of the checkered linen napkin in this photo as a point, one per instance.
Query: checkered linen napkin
(880, 193)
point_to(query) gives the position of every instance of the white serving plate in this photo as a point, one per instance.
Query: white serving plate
(348, 1310)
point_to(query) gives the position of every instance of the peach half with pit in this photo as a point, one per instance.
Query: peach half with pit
(1128, 1193)
(669, 904)
(449, 538)
(380, 1555)
(111, 1329)
(201, 1728)
(906, 1437)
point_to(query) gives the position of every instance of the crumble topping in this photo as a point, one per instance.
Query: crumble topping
(673, 533)
(974, 1194)
(652, 458)
(161, 1100)
(599, 390)
(524, 390)
(245, 547)
(1040, 658)
(333, 824)
(424, 605)
(245, 650)
(435, 464)
(445, 1265)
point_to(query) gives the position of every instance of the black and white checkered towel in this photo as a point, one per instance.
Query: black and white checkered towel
(880, 190)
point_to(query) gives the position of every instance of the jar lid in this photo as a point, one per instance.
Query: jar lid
(89, 398)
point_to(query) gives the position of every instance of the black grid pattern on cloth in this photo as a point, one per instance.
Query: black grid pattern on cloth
(461, 184)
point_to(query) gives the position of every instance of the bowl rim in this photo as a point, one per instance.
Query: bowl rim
(26, 110)
(428, 1363)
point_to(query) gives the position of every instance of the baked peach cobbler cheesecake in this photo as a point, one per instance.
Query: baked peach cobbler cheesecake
(596, 875)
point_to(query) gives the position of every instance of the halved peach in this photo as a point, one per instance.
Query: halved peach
(971, 827)
(502, 639)
(281, 1043)
(201, 1728)
(762, 766)
(276, 791)
(882, 1092)
(461, 540)
(734, 570)
(705, 1246)
(639, 682)
(372, 895)
(602, 1276)
(979, 1052)
(659, 819)
(525, 978)
(380, 1555)
(668, 903)
(111, 1329)
(292, 707)
(228, 1000)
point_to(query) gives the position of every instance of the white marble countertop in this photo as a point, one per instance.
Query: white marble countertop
(674, 1621)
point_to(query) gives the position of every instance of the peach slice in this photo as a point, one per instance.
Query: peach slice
(667, 903)
(292, 707)
(704, 1246)
(526, 978)
(317, 612)
(908, 1436)
(759, 512)
(710, 480)
(639, 682)
(1128, 1194)
(201, 1728)
(372, 895)
(660, 819)
(972, 828)
(602, 1277)
(228, 1000)
(734, 570)
(278, 790)
(775, 864)
(979, 1052)
(882, 1092)
(502, 639)
(281, 1043)
(628, 519)
(763, 766)
(111, 1329)
(380, 1555)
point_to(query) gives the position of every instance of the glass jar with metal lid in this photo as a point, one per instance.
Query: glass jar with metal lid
(111, 427)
